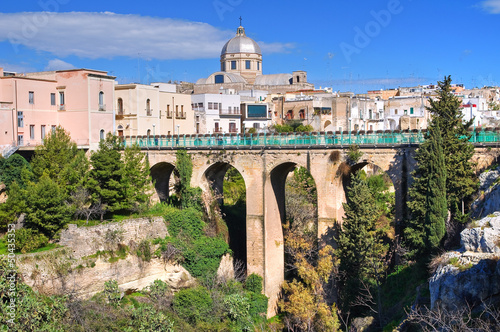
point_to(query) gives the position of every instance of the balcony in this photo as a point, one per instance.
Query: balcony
(169, 114)
(229, 112)
(102, 107)
(62, 107)
(149, 111)
(181, 115)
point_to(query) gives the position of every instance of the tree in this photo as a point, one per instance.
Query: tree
(15, 169)
(304, 303)
(55, 154)
(136, 178)
(105, 178)
(46, 210)
(360, 248)
(428, 204)
(461, 181)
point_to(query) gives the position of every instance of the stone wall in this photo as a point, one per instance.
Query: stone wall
(85, 241)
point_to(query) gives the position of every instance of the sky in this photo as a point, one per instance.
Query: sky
(355, 45)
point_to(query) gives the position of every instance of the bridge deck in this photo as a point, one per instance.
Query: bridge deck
(296, 141)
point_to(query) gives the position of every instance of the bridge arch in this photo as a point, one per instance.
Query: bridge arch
(161, 174)
(274, 218)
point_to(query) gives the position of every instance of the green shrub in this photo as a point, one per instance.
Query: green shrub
(237, 309)
(258, 305)
(112, 292)
(29, 239)
(146, 318)
(254, 283)
(144, 251)
(189, 221)
(202, 257)
(193, 304)
(158, 289)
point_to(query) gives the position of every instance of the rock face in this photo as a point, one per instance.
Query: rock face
(85, 241)
(489, 200)
(470, 275)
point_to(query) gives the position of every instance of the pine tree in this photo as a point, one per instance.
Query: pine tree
(105, 179)
(360, 247)
(428, 204)
(136, 178)
(461, 181)
(54, 155)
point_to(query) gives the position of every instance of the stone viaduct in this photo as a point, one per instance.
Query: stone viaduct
(265, 172)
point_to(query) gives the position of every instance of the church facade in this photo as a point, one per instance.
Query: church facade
(241, 69)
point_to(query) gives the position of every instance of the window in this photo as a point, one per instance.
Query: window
(20, 140)
(370, 114)
(229, 109)
(289, 115)
(396, 111)
(256, 125)
(411, 110)
(216, 106)
(258, 65)
(101, 134)
(223, 67)
(31, 97)
(53, 99)
(148, 107)
(42, 131)
(101, 99)
(247, 64)
(302, 114)
(219, 79)
(406, 112)
(61, 98)
(32, 131)
(120, 106)
(177, 111)
(20, 119)
(233, 64)
(217, 128)
(210, 106)
(53, 129)
(232, 127)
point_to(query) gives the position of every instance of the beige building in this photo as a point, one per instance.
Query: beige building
(154, 110)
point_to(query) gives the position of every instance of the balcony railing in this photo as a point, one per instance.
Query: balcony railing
(102, 107)
(169, 114)
(62, 107)
(229, 112)
(149, 111)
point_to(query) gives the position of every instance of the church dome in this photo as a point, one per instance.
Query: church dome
(241, 44)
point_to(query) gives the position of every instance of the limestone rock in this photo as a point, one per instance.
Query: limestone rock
(226, 269)
(484, 237)
(470, 275)
(362, 324)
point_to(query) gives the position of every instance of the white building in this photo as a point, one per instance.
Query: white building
(217, 113)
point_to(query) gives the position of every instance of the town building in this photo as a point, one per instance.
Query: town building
(217, 113)
(32, 104)
(152, 110)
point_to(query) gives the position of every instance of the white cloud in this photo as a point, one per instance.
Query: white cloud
(491, 6)
(107, 35)
(57, 64)
(17, 68)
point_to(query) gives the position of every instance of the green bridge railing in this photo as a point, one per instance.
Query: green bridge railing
(294, 140)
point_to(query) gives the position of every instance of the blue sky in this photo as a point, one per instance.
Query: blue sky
(354, 45)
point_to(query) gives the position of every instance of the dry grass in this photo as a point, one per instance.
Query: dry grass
(334, 156)
(344, 170)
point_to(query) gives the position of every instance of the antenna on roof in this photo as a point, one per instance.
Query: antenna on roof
(240, 20)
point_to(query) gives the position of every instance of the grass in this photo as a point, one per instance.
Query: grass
(4, 248)
(399, 289)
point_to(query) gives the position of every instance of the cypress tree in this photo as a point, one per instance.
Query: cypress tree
(360, 248)
(428, 204)
(461, 181)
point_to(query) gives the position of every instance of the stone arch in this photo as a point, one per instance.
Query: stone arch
(213, 178)
(274, 217)
(160, 174)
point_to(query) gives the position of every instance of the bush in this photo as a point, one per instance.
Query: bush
(202, 257)
(146, 318)
(189, 221)
(193, 304)
(237, 309)
(254, 283)
(29, 239)
(144, 251)
(112, 292)
(258, 305)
